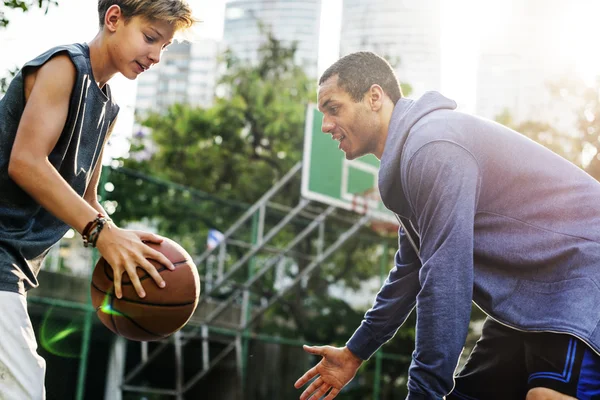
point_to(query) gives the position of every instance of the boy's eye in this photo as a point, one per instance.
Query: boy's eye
(149, 39)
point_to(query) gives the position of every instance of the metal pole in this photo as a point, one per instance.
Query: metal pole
(85, 346)
(383, 261)
(308, 270)
(258, 224)
(87, 327)
(265, 197)
(179, 365)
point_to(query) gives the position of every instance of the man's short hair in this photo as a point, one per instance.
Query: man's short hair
(357, 72)
(176, 12)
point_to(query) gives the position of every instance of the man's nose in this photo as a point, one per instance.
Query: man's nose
(327, 125)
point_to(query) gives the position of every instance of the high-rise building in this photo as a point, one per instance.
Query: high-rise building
(405, 32)
(187, 74)
(519, 62)
(288, 20)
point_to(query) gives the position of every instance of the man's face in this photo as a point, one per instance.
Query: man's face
(353, 124)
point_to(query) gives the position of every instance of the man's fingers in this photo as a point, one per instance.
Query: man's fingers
(317, 350)
(147, 265)
(334, 392)
(311, 373)
(313, 386)
(320, 393)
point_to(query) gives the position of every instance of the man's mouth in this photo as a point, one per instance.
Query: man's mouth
(142, 66)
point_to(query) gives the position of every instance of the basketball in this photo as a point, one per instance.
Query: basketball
(163, 311)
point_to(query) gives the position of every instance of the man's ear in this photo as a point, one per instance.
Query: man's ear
(376, 96)
(113, 16)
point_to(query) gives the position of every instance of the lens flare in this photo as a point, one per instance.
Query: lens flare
(106, 306)
(61, 333)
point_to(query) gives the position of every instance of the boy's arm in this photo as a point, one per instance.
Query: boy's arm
(43, 119)
(39, 129)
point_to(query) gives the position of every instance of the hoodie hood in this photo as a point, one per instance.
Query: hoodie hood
(408, 115)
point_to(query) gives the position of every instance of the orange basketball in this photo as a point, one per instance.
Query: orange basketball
(163, 311)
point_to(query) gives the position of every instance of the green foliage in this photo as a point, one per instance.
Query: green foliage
(585, 103)
(24, 5)
(5, 81)
(581, 145)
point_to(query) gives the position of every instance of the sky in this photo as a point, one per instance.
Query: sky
(464, 24)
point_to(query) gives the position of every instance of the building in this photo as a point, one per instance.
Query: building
(186, 74)
(518, 63)
(289, 21)
(406, 32)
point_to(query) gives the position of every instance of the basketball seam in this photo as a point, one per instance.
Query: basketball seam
(141, 302)
(112, 316)
(122, 314)
(143, 278)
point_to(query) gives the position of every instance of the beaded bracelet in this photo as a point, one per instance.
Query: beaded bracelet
(92, 230)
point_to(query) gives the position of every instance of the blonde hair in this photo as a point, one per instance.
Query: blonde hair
(176, 12)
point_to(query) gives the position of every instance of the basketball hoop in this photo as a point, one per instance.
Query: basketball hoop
(362, 202)
(368, 200)
(384, 228)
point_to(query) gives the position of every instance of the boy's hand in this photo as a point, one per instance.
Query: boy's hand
(333, 372)
(125, 250)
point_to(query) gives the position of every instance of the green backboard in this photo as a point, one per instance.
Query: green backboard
(329, 178)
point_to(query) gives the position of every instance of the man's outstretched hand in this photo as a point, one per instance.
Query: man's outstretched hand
(333, 372)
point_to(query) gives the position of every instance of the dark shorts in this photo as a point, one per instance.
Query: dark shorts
(506, 364)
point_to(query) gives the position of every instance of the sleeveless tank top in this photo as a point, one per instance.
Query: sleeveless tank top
(27, 230)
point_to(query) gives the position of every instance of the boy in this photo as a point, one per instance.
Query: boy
(55, 119)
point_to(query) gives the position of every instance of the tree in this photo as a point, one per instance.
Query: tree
(5, 81)
(585, 102)
(579, 145)
(24, 5)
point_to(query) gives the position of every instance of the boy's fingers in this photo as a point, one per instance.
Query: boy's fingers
(117, 283)
(135, 281)
(150, 237)
(147, 265)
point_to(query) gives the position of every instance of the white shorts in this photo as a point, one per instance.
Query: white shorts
(22, 370)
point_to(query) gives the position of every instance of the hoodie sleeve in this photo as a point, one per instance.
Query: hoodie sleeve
(393, 303)
(442, 186)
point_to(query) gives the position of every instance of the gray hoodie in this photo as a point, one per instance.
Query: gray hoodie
(499, 220)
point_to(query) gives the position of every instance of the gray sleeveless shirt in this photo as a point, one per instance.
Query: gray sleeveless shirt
(27, 230)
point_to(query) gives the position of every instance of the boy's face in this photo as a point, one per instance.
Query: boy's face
(137, 45)
(353, 124)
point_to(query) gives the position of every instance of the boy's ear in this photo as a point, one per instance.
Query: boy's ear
(113, 17)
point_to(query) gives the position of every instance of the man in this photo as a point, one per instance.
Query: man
(488, 216)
